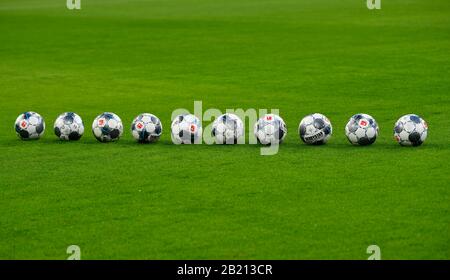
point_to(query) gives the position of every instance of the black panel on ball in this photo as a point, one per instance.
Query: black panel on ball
(57, 132)
(40, 127)
(74, 136)
(414, 137)
(24, 134)
(365, 141)
(280, 133)
(158, 129)
(114, 134)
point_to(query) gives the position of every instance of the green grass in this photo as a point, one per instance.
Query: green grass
(129, 201)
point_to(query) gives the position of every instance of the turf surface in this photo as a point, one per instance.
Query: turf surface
(129, 201)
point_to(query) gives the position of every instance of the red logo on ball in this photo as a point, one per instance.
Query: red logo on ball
(363, 123)
(193, 127)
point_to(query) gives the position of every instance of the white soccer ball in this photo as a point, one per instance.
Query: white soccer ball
(270, 129)
(361, 129)
(227, 129)
(186, 129)
(107, 127)
(410, 130)
(29, 125)
(69, 126)
(315, 129)
(146, 128)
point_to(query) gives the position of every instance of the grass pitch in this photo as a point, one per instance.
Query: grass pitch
(129, 201)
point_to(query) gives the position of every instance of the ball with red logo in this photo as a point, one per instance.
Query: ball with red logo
(410, 130)
(29, 125)
(270, 129)
(186, 129)
(107, 127)
(361, 129)
(146, 128)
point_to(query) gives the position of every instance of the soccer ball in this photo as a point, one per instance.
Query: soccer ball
(361, 129)
(107, 127)
(186, 129)
(146, 128)
(227, 129)
(270, 129)
(69, 126)
(315, 129)
(29, 125)
(410, 130)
